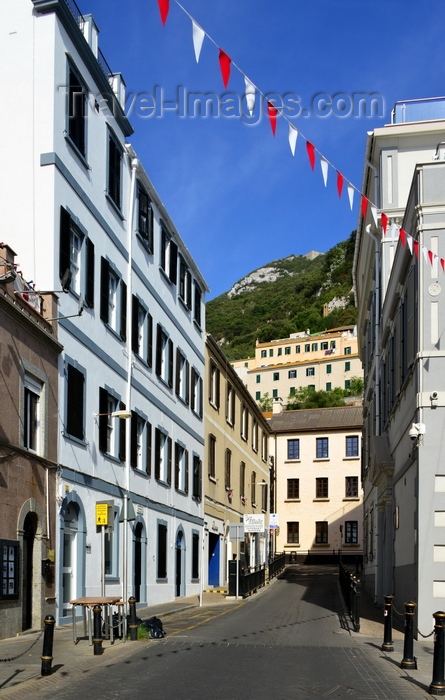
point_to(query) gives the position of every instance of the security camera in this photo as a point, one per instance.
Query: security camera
(413, 433)
(434, 395)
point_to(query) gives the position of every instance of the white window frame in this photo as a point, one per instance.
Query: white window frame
(32, 413)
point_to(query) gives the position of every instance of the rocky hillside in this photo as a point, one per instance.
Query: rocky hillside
(283, 297)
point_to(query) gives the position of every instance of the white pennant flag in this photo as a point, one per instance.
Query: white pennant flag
(293, 135)
(351, 195)
(374, 213)
(394, 230)
(425, 254)
(409, 240)
(324, 169)
(198, 38)
(250, 95)
(436, 265)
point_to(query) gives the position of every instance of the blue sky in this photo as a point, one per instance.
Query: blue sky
(235, 193)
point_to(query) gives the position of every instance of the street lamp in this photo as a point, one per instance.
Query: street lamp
(115, 414)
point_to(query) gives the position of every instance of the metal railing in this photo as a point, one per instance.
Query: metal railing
(277, 565)
(252, 578)
(350, 588)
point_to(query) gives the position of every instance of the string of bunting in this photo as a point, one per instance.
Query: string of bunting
(389, 227)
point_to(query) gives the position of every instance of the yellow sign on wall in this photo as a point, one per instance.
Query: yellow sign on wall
(101, 513)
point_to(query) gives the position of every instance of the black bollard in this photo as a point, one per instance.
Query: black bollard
(47, 651)
(409, 660)
(133, 623)
(97, 630)
(437, 686)
(388, 644)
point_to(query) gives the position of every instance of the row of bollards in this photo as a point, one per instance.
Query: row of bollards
(48, 635)
(409, 661)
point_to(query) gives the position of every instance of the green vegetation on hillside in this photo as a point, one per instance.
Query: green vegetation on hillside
(292, 303)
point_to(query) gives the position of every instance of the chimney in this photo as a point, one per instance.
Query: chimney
(277, 406)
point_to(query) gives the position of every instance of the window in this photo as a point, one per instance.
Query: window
(293, 488)
(185, 283)
(332, 344)
(310, 371)
(244, 422)
(197, 305)
(264, 494)
(214, 385)
(113, 299)
(321, 532)
(196, 392)
(328, 369)
(253, 489)
(328, 386)
(212, 456)
(112, 546)
(258, 378)
(162, 551)
(164, 356)
(271, 352)
(77, 103)
(230, 405)
(347, 383)
(324, 345)
(351, 532)
(146, 220)
(307, 347)
(264, 442)
(279, 351)
(32, 414)
(112, 430)
(169, 255)
(275, 393)
(197, 478)
(182, 387)
(257, 395)
(322, 448)
(228, 469)
(314, 347)
(287, 350)
(9, 573)
(76, 259)
(114, 170)
(263, 353)
(311, 386)
(351, 490)
(276, 376)
(293, 533)
(348, 351)
(195, 556)
(181, 468)
(140, 443)
(242, 478)
(75, 402)
(292, 390)
(352, 446)
(141, 331)
(293, 449)
(321, 488)
(297, 349)
(163, 457)
(292, 374)
(255, 435)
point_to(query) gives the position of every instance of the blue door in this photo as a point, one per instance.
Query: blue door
(213, 559)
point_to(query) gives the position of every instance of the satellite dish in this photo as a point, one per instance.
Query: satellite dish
(66, 280)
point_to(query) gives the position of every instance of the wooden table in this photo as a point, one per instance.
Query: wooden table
(87, 603)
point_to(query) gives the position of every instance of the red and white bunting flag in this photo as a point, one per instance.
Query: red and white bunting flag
(431, 257)
(425, 253)
(224, 63)
(403, 237)
(351, 196)
(293, 135)
(364, 201)
(416, 249)
(163, 9)
(340, 181)
(311, 153)
(324, 170)
(394, 230)
(409, 240)
(374, 213)
(442, 264)
(384, 219)
(272, 113)
(198, 39)
(250, 95)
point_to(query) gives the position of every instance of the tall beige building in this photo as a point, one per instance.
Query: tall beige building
(324, 360)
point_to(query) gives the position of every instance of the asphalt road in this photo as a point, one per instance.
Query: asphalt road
(289, 641)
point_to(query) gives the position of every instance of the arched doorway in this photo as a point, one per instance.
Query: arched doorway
(137, 561)
(69, 555)
(29, 534)
(180, 564)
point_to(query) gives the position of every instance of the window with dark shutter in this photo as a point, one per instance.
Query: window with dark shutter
(64, 244)
(148, 431)
(122, 434)
(170, 362)
(104, 286)
(149, 340)
(103, 409)
(89, 282)
(162, 551)
(173, 272)
(134, 440)
(169, 460)
(186, 476)
(159, 334)
(157, 453)
(123, 319)
(114, 171)
(135, 325)
(76, 111)
(75, 402)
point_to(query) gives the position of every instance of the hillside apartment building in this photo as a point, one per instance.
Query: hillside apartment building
(130, 431)
(324, 361)
(401, 321)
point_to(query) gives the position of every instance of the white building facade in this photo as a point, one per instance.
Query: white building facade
(132, 314)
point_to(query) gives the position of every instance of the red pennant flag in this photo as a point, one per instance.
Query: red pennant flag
(272, 113)
(403, 237)
(224, 63)
(311, 153)
(442, 262)
(430, 256)
(364, 205)
(163, 9)
(384, 223)
(340, 181)
(416, 249)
